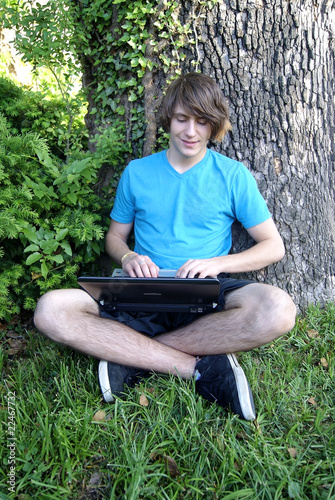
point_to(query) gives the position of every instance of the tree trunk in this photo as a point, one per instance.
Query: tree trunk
(275, 63)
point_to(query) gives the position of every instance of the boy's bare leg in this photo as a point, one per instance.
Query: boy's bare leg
(255, 315)
(72, 318)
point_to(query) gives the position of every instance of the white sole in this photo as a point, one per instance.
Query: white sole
(243, 389)
(104, 382)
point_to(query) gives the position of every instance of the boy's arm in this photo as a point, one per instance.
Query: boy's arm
(117, 247)
(269, 248)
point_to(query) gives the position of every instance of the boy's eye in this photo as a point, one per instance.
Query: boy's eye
(183, 119)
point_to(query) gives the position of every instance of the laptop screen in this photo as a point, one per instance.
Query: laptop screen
(123, 293)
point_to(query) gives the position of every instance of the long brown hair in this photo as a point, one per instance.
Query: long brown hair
(200, 96)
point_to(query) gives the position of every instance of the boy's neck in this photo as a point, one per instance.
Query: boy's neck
(181, 163)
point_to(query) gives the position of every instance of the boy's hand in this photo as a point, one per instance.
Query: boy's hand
(200, 268)
(140, 266)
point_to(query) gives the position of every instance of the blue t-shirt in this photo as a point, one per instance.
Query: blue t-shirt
(187, 216)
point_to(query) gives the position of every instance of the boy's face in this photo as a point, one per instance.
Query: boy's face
(189, 136)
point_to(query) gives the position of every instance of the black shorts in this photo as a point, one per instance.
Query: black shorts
(154, 323)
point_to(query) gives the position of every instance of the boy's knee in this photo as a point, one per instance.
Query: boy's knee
(44, 310)
(271, 309)
(58, 310)
(283, 311)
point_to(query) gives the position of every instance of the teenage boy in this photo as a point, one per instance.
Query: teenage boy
(181, 204)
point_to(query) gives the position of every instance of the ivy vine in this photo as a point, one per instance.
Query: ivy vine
(127, 43)
(121, 44)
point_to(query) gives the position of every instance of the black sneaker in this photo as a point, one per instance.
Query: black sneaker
(113, 378)
(221, 379)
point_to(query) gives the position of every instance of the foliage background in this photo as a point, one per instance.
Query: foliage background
(56, 200)
(52, 221)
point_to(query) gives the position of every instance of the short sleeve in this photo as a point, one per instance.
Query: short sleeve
(249, 205)
(124, 209)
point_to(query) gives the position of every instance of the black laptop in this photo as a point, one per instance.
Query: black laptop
(166, 293)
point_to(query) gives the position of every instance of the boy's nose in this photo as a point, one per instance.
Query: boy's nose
(190, 128)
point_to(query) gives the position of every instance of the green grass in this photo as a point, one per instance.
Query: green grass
(62, 452)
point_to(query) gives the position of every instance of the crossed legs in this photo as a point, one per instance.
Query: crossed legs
(254, 315)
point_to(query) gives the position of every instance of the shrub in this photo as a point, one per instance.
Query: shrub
(45, 114)
(52, 223)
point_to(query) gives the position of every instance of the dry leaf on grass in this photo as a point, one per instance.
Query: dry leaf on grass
(90, 491)
(13, 351)
(17, 348)
(13, 335)
(313, 334)
(324, 362)
(99, 416)
(95, 479)
(144, 400)
(17, 343)
(170, 463)
(293, 452)
(312, 401)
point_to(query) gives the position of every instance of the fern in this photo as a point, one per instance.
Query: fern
(35, 145)
(8, 225)
(51, 220)
(3, 126)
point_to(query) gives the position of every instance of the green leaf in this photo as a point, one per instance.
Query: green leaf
(34, 257)
(30, 234)
(79, 166)
(132, 97)
(31, 248)
(143, 61)
(57, 258)
(61, 234)
(72, 197)
(95, 246)
(48, 235)
(39, 193)
(66, 246)
(120, 110)
(49, 246)
(44, 270)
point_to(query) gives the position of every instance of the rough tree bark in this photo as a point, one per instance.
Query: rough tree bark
(275, 63)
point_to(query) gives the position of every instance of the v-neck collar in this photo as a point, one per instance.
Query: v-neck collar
(187, 172)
